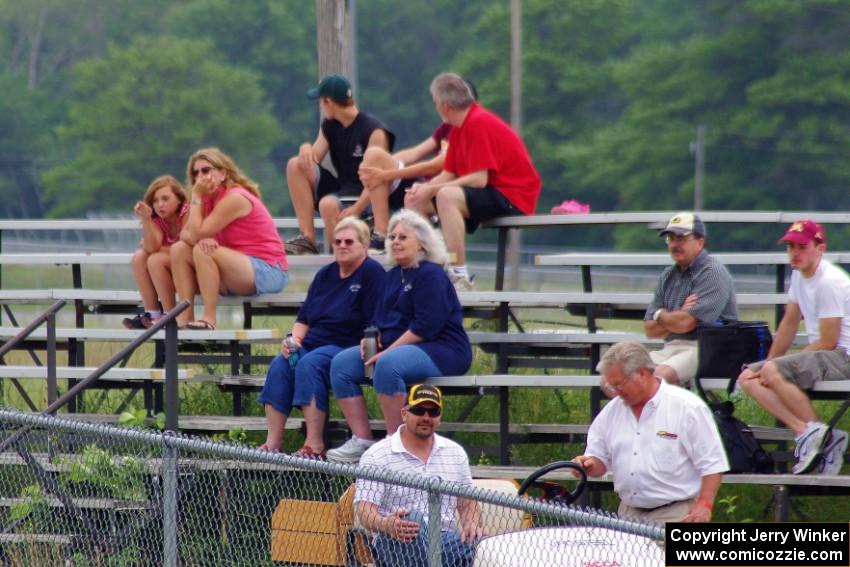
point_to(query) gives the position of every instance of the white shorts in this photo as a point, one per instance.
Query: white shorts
(680, 355)
(397, 181)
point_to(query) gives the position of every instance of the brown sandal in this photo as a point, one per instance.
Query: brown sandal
(199, 325)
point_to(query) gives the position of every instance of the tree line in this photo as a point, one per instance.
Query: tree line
(101, 96)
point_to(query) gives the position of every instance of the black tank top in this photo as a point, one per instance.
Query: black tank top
(347, 146)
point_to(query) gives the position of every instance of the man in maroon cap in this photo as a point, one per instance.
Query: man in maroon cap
(820, 296)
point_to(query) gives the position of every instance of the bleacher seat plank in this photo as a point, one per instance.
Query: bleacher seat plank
(661, 217)
(81, 372)
(127, 335)
(662, 259)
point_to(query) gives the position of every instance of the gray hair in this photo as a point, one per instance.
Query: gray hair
(431, 242)
(630, 356)
(451, 88)
(358, 226)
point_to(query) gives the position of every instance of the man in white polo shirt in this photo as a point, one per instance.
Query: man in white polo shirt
(820, 296)
(398, 515)
(659, 441)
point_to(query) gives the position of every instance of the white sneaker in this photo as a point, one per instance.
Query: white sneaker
(350, 451)
(833, 453)
(461, 283)
(809, 447)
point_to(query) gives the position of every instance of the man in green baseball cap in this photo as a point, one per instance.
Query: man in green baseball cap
(345, 133)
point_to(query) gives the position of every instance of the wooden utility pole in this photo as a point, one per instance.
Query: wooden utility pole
(515, 242)
(333, 37)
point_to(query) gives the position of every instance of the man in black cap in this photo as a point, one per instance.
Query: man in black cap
(399, 515)
(345, 132)
(697, 289)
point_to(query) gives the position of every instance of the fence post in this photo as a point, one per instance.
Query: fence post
(169, 503)
(172, 396)
(434, 540)
(169, 454)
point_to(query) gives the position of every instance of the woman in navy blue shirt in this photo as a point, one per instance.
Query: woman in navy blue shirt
(421, 333)
(340, 304)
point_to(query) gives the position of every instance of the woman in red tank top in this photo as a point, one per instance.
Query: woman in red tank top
(229, 243)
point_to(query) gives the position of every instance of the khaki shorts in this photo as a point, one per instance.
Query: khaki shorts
(674, 512)
(807, 368)
(681, 356)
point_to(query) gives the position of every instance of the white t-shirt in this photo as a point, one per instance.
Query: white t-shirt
(825, 295)
(663, 457)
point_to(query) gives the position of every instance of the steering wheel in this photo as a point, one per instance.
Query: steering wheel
(552, 491)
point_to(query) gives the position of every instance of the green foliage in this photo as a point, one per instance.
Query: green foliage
(32, 508)
(139, 111)
(237, 435)
(613, 91)
(24, 129)
(138, 418)
(116, 477)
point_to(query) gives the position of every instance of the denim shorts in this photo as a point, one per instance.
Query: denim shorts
(268, 278)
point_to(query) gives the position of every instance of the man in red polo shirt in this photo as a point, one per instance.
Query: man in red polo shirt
(487, 173)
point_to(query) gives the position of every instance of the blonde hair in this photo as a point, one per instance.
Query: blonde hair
(159, 183)
(432, 244)
(225, 163)
(360, 228)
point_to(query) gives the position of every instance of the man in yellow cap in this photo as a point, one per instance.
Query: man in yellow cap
(399, 515)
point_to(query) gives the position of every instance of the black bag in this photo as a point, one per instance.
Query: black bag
(725, 347)
(743, 450)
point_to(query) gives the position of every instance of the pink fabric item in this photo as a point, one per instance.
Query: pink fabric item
(254, 234)
(168, 240)
(571, 207)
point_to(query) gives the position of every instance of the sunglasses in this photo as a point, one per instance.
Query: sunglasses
(420, 411)
(346, 241)
(202, 171)
(399, 237)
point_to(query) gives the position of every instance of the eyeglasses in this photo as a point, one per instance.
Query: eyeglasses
(619, 387)
(669, 238)
(202, 171)
(420, 411)
(399, 237)
(346, 241)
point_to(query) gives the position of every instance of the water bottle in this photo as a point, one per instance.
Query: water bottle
(370, 349)
(292, 344)
(762, 333)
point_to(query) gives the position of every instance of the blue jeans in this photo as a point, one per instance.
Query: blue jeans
(309, 380)
(393, 553)
(395, 370)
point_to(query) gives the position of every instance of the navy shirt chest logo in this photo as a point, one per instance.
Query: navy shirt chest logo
(354, 288)
(407, 287)
(358, 151)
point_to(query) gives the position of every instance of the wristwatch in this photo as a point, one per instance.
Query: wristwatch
(657, 315)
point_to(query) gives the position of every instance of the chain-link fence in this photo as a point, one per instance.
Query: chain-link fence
(74, 493)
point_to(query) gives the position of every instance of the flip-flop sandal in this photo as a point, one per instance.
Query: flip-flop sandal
(265, 447)
(200, 325)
